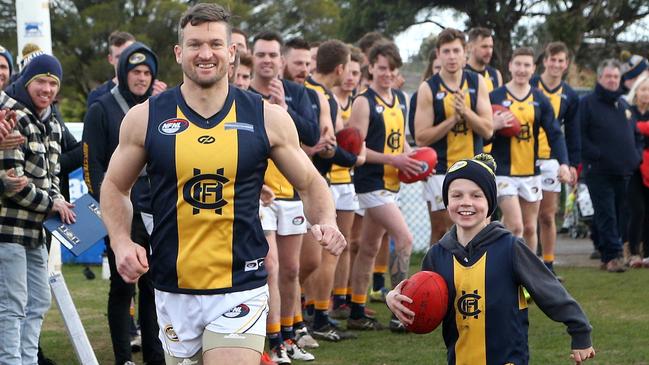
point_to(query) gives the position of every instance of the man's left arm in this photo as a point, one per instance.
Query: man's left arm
(481, 120)
(294, 164)
(573, 130)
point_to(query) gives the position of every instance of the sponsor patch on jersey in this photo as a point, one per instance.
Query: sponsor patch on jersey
(173, 126)
(239, 311)
(379, 109)
(440, 95)
(238, 125)
(471, 90)
(506, 103)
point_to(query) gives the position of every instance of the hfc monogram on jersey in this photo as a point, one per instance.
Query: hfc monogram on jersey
(460, 127)
(525, 134)
(394, 139)
(469, 304)
(205, 191)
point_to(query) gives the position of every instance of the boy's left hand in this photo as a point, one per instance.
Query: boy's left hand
(581, 355)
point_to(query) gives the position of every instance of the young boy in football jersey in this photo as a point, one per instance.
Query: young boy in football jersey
(485, 267)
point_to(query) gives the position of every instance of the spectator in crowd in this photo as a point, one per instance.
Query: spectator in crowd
(24, 287)
(6, 66)
(610, 154)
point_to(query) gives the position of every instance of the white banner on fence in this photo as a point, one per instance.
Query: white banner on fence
(33, 24)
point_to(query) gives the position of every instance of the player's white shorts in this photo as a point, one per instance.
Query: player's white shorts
(549, 175)
(360, 212)
(233, 320)
(344, 196)
(433, 192)
(528, 187)
(377, 198)
(284, 216)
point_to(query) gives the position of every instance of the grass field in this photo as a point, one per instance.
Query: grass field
(616, 305)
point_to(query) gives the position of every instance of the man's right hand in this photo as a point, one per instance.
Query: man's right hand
(13, 183)
(130, 259)
(277, 93)
(502, 120)
(65, 211)
(409, 166)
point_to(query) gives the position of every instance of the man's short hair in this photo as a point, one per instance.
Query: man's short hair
(388, 50)
(608, 63)
(331, 54)
(449, 35)
(479, 32)
(268, 35)
(314, 44)
(204, 13)
(523, 51)
(239, 31)
(554, 48)
(245, 59)
(368, 40)
(296, 43)
(119, 38)
(355, 54)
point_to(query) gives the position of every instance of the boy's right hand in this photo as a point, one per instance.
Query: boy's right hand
(394, 299)
(581, 355)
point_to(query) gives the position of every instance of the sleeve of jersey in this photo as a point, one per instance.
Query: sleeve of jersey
(306, 122)
(550, 296)
(589, 150)
(552, 129)
(94, 141)
(571, 128)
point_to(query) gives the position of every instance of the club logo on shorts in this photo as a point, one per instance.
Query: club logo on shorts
(239, 311)
(173, 126)
(297, 221)
(170, 333)
(205, 191)
(535, 190)
(379, 109)
(548, 181)
(502, 185)
(136, 58)
(469, 304)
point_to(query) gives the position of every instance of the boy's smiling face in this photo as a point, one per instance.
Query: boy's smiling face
(467, 205)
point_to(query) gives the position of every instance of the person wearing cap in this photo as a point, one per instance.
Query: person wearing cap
(6, 66)
(136, 71)
(632, 69)
(485, 267)
(24, 289)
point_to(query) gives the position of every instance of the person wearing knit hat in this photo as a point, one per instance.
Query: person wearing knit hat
(485, 268)
(136, 72)
(633, 67)
(6, 66)
(23, 253)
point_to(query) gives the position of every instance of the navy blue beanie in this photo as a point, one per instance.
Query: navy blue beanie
(480, 169)
(139, 54)
(10, 59)
(42, 65)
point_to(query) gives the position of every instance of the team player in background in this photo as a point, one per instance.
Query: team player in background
(380, 113)
(208, 245)
(517, 174)
(283, 220)
(480, 51)
(453, 117)
(565, 103)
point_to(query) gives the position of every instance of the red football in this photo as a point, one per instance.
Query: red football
(512, 130)
(428, 158)
(429, 295)
(350, 140)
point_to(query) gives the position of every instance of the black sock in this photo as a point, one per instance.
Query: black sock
(274, 339)
(358, 311)
(320, 319)
(348, 299)
(378, 281)
(310, 309)
(298, 326)
(339, 300)
(549, 265)
(288, 333)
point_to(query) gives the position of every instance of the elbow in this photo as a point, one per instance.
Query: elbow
(419, 141)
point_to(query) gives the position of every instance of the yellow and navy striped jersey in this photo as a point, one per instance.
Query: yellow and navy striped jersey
(516, 156)
(490, 75)
(460, 142)
(207, 174)
(385, 134)
(565, 103)
(310, 83)
(340, 174)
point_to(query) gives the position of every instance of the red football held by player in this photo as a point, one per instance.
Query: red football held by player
(429, 295)
(428, 158)
(350, 140)
(513, 129)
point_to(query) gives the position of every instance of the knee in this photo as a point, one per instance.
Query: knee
(40, 301)
(369, 249)
(289, 272)
(529, 228)
(546, 219)
(272, 265)
(516, 229)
